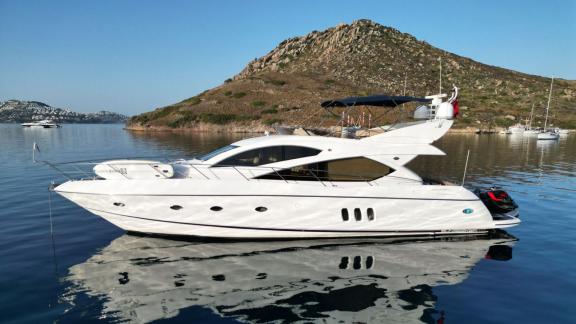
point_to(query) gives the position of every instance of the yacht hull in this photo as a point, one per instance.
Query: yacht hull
(548, 136)
(269, 209)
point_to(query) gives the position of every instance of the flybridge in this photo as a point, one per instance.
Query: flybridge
(376, 100)
(434, 107)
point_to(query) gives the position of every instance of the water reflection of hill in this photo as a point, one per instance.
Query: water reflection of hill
(141, 279)
(498, 156)
(191, 143)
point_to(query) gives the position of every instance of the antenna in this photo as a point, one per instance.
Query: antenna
(465, 168)
(440, 59)
(405, 77)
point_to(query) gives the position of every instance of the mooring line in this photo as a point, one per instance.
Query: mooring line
(54, 258)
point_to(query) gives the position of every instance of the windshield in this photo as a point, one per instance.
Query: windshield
(212, 154)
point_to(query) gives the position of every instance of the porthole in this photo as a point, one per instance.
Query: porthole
(345, 216)
(396, 158)
(370, 213)
(357, 214)
(261, 209)
(176, 207)
(216, 208)
(119, 204)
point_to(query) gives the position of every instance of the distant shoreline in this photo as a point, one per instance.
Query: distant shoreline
(239, 129)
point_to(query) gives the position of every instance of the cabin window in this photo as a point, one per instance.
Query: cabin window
(357, 214)
(370, 213)
(219, 151)
(369, 262)
(357, 262)
(345, 216)
(267, 155)
(344, 262)
(353, 169)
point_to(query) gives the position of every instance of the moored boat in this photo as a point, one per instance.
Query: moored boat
(548, 134)
(42, 123)
(299, 186)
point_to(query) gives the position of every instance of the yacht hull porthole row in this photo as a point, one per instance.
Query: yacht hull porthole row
(288, 186)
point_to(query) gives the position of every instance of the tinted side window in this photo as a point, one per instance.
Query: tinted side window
(255, 157)
(354, 169)
(268, 155)
(296, 152)
(216, 152)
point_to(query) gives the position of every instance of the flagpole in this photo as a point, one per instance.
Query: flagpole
(440, 59)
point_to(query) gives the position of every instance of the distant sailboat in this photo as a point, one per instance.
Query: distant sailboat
(548, 134)
(529, 130)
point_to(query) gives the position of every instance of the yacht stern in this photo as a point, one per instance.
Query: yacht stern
(504, 210)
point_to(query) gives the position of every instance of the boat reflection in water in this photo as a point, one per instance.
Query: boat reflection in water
(142, 279)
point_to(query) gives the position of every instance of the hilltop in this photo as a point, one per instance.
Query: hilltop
(19, 111)
(286, 85)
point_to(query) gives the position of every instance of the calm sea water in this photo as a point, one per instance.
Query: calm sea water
(90, 271)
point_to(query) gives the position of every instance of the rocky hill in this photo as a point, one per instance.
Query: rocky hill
(286, 85)
(17, 111)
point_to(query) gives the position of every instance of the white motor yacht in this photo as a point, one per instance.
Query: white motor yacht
(288, 186)
(42, 123)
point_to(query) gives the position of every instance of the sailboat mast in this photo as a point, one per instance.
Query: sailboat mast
(440, 59)
(548, 104)
(531, 114)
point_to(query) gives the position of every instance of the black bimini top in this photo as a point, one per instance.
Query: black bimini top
(377, 100)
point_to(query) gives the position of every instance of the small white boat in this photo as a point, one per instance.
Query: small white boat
(279, 187)
(532, 132)
(549, 135)
(516, 129)
(43, 123)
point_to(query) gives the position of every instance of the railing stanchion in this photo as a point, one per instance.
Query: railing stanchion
(195, 168)
(242, 174)
(277, 173)
(317, 178)
(81, 171)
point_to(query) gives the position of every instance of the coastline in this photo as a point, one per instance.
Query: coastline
(255, 128)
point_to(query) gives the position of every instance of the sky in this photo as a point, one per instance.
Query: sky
(135, 56)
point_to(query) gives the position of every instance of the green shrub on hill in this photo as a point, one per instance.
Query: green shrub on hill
(258, 103)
